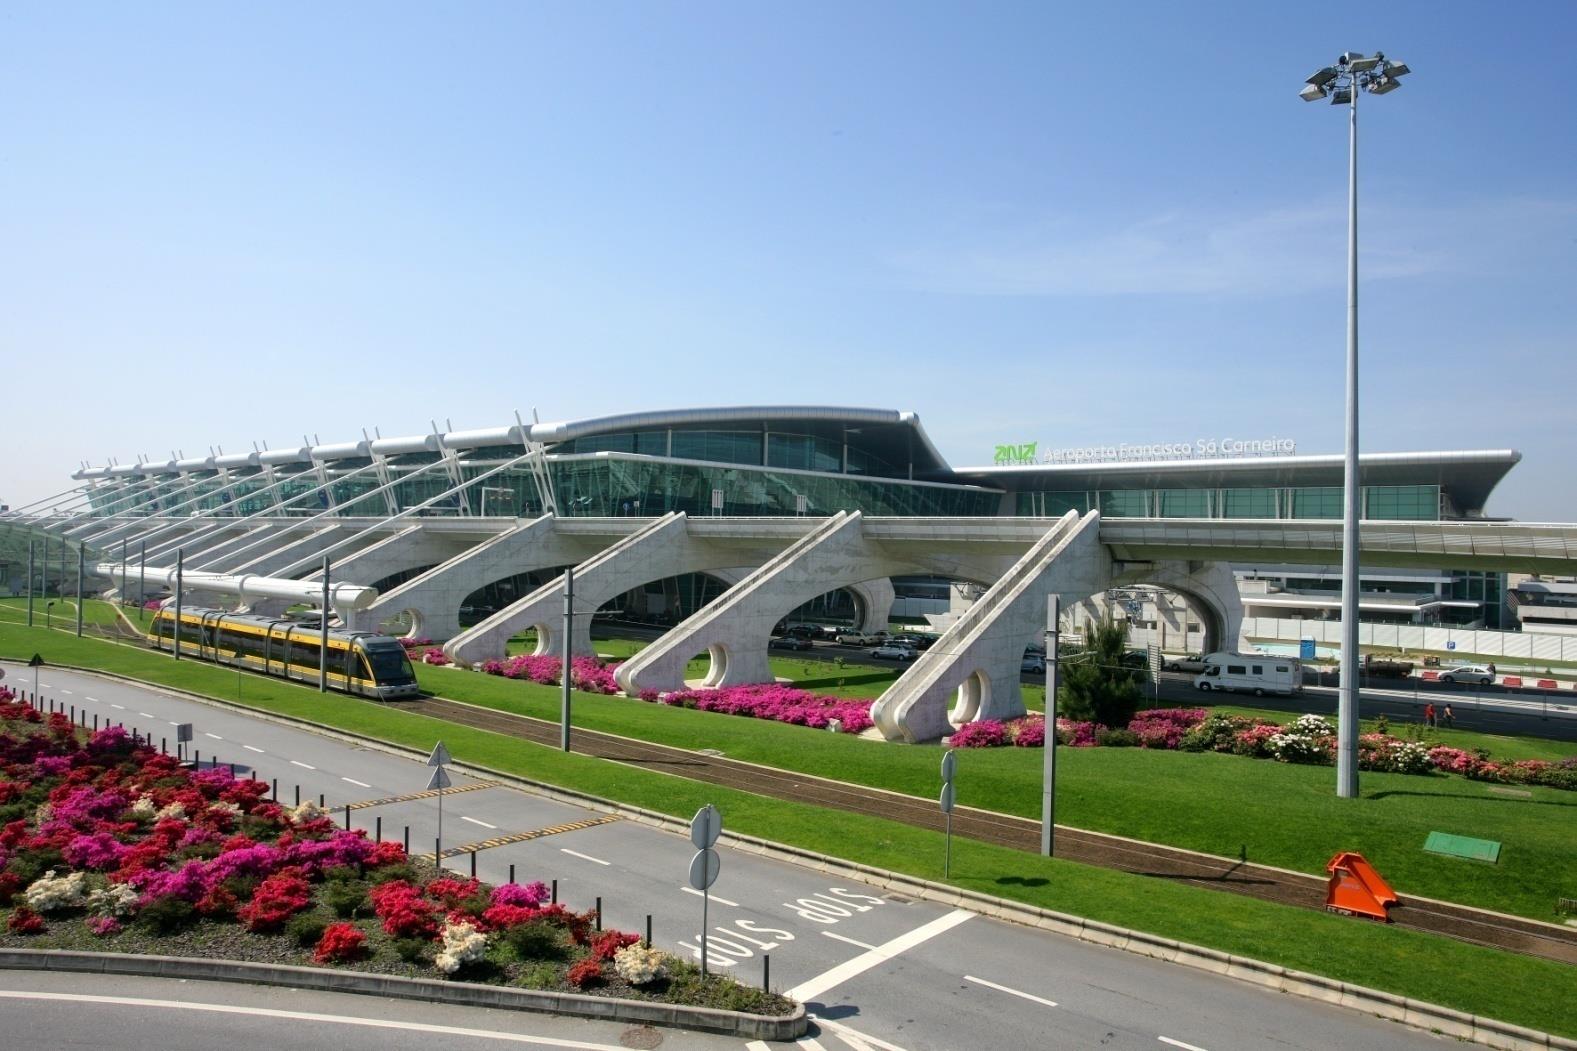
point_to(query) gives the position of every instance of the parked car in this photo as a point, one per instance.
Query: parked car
(1193, 662)
(1386, 668)
(1478, 674)
(1033, 665)
(790, 642)
(914, 641)
(860, 638)
(894, 652)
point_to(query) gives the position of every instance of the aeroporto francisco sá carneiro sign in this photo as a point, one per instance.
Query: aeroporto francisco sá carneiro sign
(1026, 454)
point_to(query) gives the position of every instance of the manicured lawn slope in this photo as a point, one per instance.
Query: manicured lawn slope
(1525, 991)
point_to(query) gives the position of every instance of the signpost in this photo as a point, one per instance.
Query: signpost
(183, 734)
(705, 827)
(440, 781)
(946, 800)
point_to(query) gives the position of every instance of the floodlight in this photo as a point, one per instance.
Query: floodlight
(1349, 57)
(1384, 84)
(1396, 69)
(1311, 93)
(1323, 77)
(1363, 65)
(1341, 96)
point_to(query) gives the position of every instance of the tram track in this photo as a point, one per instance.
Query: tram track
(1236, 876)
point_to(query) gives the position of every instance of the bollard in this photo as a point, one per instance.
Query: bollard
(407, 839)
(766, 972)
(473, 864)
(321, 801)
(95, 722)
(511, 873)
(274, 792)
(197, 759)
(298, 795)
(347, 817)
(599, 912)
(164, 746)
(438, 853)
(648, 930)
(72, 713)
(555, 899)
(377, 826)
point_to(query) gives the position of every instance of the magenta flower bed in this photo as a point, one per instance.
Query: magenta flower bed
(586, 673)
(778, 703)
(1165, 727)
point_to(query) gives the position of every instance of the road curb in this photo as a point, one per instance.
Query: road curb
(465, 994)
(1415, 1013)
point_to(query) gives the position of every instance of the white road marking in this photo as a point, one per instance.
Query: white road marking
(856, 1039)
(304, 766)
(1005, 989)
(66, 692)
(216, 737)
(249, 748)
(358, 784)
(720, 901)
(1179, 1043)
(583, 857)
(45, 684)
(122, 707)
(307, 1016)
(473, 820)
(146, 715)
(863, 945)
(807, 991)
(95, 700)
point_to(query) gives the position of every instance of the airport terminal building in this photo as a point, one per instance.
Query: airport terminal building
(702, 516)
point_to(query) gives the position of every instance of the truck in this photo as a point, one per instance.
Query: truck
(1256, 673)
(1386, 668)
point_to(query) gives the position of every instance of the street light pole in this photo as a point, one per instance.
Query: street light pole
(1353, 74)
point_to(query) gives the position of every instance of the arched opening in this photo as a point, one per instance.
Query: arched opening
(1172, 619)
(405, 623)
(490, 598)
(545, 642)
(719, 667)
(973, 694)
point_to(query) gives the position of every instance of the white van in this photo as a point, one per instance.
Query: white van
(1256, 673)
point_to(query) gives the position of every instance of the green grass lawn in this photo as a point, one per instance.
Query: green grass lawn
(94, 611)
(1405, 962)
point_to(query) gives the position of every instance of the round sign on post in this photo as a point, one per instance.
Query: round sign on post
(949, 765)
(704, 868)
(705, 827)
(946, 798)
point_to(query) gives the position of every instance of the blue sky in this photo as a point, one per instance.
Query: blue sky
(1073, 224)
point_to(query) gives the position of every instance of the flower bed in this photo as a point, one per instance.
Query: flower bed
(1307, 739)
(106, 844)
(779, 703)
(586, 673)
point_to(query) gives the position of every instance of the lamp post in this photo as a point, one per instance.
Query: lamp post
(1352, 75)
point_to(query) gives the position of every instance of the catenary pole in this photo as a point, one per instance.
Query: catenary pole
(30, 584)
(1048, 790)
(323, 633)
(142, 581)
(82, 558)
(180, 566)
(1347, 704)
(569, 642)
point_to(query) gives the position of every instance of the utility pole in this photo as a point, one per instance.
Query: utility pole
(30, 584)
(323, 633)
(569, 642)
(180, 565)
(82, 557)
(1048, 789)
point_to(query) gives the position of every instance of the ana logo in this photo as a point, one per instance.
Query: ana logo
(1021, 453)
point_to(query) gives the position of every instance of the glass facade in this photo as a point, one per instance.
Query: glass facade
(614, 486)
(1381, 502)
(756, 447)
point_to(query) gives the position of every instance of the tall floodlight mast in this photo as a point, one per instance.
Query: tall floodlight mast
(1351, 76)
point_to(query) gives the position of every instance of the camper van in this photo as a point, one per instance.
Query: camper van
(1256, 673)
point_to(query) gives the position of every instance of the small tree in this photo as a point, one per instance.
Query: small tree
(1100, 686)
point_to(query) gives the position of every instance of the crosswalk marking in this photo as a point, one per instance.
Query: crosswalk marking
(428, 794)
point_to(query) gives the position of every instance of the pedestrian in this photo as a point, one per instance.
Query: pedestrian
(1447, 718)
(1491, 668)
(1429, 714)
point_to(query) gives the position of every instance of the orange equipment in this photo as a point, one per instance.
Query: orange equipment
(1356, 889)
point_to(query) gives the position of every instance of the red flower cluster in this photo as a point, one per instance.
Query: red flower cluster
(405, 912)
(585, 974)
(276, 899)
(340, 943)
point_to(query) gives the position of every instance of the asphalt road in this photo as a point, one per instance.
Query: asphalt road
(878, 971)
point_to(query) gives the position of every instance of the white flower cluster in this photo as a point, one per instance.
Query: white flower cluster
(1406, 757)
(43, 814)
(174, 810)
(224, 806)
(307, 811)
(1311, 726)
(463, 944)
(50, 892)
(143, 809)
(117, 899)
(638, 964)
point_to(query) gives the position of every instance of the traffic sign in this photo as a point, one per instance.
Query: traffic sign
(440, 755)
(183, 733)
(2, 673)
(949, 765)
(1450, 645)
(705, 827)
(36, 662)
(440, 779)
(704, 867)
(946, 798)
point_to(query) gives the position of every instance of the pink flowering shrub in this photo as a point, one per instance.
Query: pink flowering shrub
(436, 657)
(586, 673)
(1165, 727)
(530, 895)
(778, 703)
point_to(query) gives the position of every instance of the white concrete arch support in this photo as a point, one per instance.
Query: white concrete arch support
(410, 548)
(1209, 587)
(977, 661)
